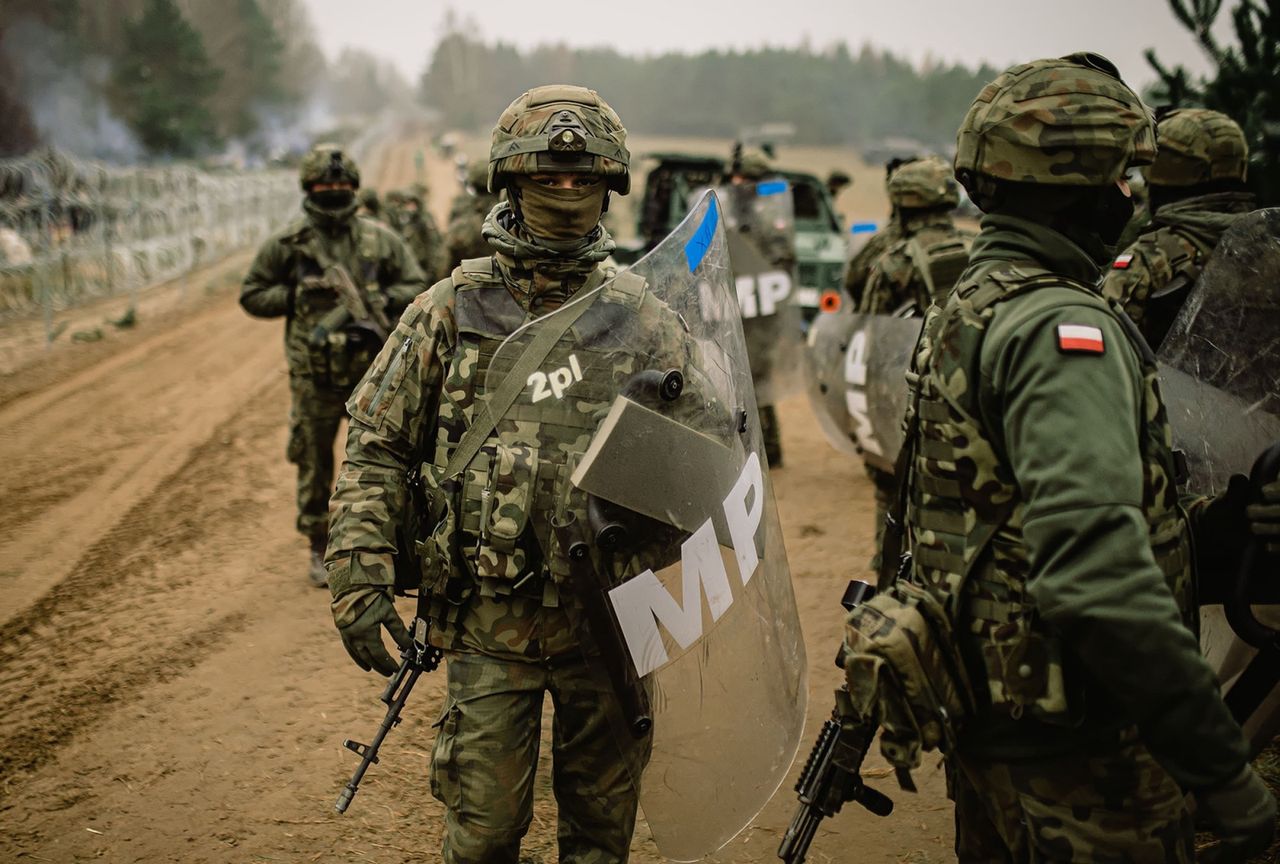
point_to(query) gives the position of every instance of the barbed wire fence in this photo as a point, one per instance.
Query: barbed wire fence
(74, 231)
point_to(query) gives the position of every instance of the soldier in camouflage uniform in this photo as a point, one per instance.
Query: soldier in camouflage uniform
(408, 214)
(1042, 511)
(919, 268)
(1197, 191)
(288, 279)
(493, 568)
(855, 275)
(370, 205)
(467, 213)
(924, 262)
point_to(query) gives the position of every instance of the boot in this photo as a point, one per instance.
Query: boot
(316, 574)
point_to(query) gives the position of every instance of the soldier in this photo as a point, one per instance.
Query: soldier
(407, 213)
(327, 345)
(467, 214)
(919, 267)
(1043, 517)
(509, 634)
(1197, 189)
(370, 205)
(930, 253)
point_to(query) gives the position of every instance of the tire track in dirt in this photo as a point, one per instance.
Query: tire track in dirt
(117, 621)
(125, 430)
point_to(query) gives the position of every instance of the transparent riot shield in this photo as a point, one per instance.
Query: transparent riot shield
(649, 495)
(1220, 378)
(856, 378)
(760, 225)
(1220, 363)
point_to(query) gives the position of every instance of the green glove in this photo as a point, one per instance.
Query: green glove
(360, 615)
(1242, 815)
(1264, 517)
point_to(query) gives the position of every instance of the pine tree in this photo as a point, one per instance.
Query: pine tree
(1245, 84)
(164, 81)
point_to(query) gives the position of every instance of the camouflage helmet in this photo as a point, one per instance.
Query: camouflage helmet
(1198, 146)
(1069, 121)
(560, 127)
(754, 164)
(328, 163)
(924, 184)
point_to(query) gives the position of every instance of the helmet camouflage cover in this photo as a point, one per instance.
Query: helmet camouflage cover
(560, 127)
(1198, 146)
(328, 163)
(1069, 121)
(754, 164)
(924, 183)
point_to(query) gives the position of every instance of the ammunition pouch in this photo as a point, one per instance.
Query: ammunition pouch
(905, 673)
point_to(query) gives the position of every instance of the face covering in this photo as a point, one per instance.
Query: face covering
(1113, 212)
(560, 215)
(333, 199)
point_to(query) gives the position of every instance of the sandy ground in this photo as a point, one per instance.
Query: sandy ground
(171, 689)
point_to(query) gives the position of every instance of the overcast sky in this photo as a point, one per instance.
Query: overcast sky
(998, 31)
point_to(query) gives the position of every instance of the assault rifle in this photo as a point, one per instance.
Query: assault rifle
(419, 657)
(832, 774)
(354, 309)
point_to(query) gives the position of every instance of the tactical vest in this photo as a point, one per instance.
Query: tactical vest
(495, 535)
(965, 513)
(939, 261)
(338, 358)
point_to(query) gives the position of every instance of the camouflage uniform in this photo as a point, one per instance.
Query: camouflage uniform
(493, 568)
(287, 279)
(931, 252)
(920, 267)
(466, 217)
(1042, 512)
(407, 213)
(1198, 178)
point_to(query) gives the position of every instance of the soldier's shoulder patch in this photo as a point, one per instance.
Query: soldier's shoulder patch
(1122, 262)
(1080, 339)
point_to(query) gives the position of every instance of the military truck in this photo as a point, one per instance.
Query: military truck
(821, 249)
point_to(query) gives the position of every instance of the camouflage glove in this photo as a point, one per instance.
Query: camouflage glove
(1264, 517)
(360, 614)
(1242, 815)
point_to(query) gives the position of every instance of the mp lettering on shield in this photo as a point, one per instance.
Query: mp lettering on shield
(855, 375)
(642, 603)
(763, 294)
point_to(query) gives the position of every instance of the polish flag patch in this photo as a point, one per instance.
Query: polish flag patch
(1080, 339)
(1122, 262)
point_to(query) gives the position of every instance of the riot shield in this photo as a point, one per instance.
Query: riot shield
(641, 426)
(760, 226)
(1220, 363)
(1220, 378)
(855, 375)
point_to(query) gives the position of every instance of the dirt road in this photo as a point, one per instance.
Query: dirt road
(170, 687)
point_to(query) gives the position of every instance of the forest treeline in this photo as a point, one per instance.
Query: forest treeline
(132, 79)
(129, 80)
(833, 96)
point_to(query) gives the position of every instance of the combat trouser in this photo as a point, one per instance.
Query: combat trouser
(486, 753)
(1118, 806)
(314, 418)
